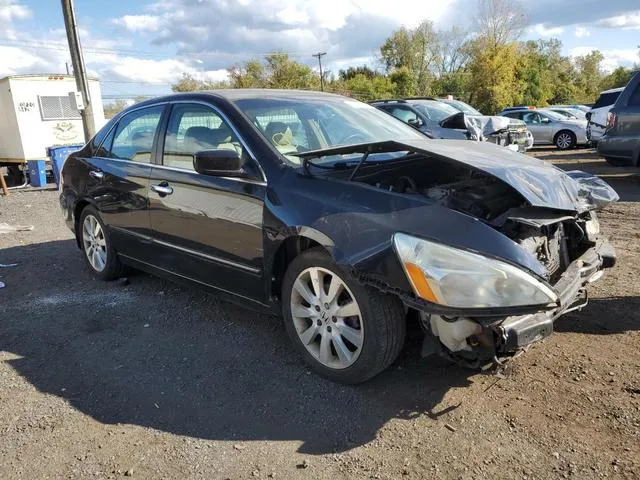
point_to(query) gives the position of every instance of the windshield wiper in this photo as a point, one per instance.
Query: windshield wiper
(366, 149)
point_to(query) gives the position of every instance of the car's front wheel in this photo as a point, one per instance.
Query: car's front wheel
(565, 140)
(346, 332)
(96, 245)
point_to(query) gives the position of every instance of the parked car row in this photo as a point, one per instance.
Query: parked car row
(341, 219)
(549, 127)
(453, 119)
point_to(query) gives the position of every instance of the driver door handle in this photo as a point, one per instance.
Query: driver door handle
(162, 189)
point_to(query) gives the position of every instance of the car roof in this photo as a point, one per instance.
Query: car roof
(232, 94)
(612, 90)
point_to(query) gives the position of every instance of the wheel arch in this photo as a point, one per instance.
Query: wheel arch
(79, 206)
(567, 130)
(303, 239)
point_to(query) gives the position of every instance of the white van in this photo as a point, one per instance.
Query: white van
(597, 116)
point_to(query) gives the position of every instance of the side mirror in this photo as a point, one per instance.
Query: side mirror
(415, 122)
(218, 163)
(545, 120)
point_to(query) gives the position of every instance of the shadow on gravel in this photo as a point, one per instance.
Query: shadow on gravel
(156, 355)
(603, 316)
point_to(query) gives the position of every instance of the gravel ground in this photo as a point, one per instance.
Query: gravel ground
(151, 380)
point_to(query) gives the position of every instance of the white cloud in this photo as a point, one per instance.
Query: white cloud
(139, 23)
(630, 20)
(149, 71)
(581, 32)
(543, 31)
(613, 58)
(12, 10)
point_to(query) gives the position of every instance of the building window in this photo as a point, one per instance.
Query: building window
(57, 108)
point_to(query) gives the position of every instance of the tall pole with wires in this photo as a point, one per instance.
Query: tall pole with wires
(320, 55)
(79, 70)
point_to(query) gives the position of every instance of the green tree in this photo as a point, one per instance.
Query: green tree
(415, 49)
(618, 78)
(588, 76)
(250, 74)
(404, 81)
(111, 109)
(493, 70)
(283, 72)
(188, 83)
(351, 72)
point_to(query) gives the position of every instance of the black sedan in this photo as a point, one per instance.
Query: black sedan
(342, 219)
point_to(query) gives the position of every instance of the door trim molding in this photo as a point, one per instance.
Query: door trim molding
(212, 258)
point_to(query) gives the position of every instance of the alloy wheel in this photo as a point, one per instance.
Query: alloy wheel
(327, 317)
(94, 242)
(564, 140)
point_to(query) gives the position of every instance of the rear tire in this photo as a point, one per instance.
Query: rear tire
(565, 140)
(96, 246)
(373, 327)
(619, 162)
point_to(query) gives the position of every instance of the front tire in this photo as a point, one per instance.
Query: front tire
(345, 331)
(565, 140)
(97, 247)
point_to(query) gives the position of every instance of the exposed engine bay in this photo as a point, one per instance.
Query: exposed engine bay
(553, 237)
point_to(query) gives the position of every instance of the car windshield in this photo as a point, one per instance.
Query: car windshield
(300, 124)
(564, 113)
(436, 111)
(463, 107)
(553, 115)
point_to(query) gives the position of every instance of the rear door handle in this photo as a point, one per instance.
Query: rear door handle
(97, 174)
(162, 189)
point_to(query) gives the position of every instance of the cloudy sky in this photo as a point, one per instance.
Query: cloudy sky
(141, 46)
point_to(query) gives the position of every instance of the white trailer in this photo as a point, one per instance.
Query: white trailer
(37, 112)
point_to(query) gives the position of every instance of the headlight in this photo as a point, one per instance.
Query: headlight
(592, 226)
(457, 278)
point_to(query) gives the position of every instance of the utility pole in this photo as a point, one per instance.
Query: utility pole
(77, 61)
(320, 55)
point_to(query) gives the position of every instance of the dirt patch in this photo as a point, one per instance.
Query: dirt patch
(150, 380)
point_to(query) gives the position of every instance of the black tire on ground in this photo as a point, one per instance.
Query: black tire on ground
(565, 140)
(113, 268)
(383, 320)
(619, 162)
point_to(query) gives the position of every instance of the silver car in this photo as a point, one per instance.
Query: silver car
(550, 128)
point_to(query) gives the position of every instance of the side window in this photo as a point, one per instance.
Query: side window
(194, 128)
(133, 137)
(98, 139)
(516, 115)
(531, 118)
(406, 115)
(105, 148)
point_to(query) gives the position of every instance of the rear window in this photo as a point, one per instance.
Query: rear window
(606, 99)
(635, 97)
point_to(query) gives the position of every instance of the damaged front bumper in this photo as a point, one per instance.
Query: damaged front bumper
(519, 331)
(475, 341)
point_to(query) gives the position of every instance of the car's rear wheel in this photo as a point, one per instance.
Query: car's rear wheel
(619, 162)
(346, 332)
(565, 140)
(96, 245)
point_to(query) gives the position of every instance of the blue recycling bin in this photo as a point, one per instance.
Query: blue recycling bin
(37, 173)
(58, 155)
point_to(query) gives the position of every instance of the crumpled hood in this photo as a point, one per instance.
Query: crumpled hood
(540, 183)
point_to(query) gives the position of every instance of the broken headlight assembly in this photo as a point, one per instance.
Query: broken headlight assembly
(460, 279)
